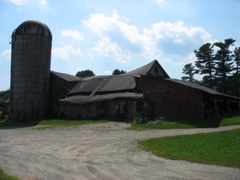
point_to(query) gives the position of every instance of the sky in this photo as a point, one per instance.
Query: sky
(103, 35)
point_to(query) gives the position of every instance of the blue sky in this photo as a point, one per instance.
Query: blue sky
(103, 35)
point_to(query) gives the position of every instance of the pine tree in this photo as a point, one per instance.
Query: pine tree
(237, 61)
(205, 64)
(189, 70)
(224, 63)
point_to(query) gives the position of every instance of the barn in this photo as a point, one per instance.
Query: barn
(145, 92)
(148, 91)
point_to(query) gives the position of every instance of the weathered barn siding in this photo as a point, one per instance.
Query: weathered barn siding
(172, 99)
(93, 110)
(60, 85)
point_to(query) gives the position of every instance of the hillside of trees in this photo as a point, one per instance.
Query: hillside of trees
(218, 64)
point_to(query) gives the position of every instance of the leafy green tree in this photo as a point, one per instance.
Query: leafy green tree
(189, 70)
(117, 72)
(85, 73)
(205, 64)
(224, 63)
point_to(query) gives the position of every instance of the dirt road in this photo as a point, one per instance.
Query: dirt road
(98, 151)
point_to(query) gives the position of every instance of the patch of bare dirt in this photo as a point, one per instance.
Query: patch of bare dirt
(98, 151)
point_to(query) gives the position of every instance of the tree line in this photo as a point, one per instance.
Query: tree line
(89, 73)
(218, 63)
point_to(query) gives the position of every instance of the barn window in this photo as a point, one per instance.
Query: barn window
(139, 106)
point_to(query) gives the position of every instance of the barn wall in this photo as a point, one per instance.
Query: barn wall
(59, 89)
(116, 108)
(172, 99)
(92, 110)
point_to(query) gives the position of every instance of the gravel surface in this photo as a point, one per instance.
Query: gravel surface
(98, 151)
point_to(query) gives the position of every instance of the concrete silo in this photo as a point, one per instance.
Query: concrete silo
(30, 71)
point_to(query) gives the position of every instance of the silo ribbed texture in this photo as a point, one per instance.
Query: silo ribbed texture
(30, 71)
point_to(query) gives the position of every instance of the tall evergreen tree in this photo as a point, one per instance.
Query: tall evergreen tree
(189, 70)
(205, 63)
(237, 61)
(224, 63)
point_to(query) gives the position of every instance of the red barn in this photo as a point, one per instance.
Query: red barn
(145, 92)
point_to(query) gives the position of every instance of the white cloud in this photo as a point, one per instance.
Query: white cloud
(108, 48)
(161, 3)
(179, 41)
(6, 53)
(107, 72)
(42, 2)
(22, 2)
(73, 34)
(18, 2)
(122, 41)
(66, 51)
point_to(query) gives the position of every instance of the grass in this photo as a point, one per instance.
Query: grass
(160, 124)
(186, 124)
(221, 148)
(4, 176)
(230, 121)
(46, 124)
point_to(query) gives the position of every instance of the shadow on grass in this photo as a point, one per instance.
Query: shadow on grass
(232, 118)
(6, 124)
(47, 123)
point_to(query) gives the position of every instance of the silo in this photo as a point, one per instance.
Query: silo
(30, 71)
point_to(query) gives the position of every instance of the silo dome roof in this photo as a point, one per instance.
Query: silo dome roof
(32, 27)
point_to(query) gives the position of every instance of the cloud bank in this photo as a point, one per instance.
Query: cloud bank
(122, 41)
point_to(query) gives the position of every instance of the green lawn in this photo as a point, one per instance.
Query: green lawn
(4, 176)
(221, 148)
(230, 121)
(52, 123)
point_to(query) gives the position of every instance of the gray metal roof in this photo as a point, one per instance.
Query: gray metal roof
(66, 77)
(147, 70)
(201, 88)
(32, 27)
(115, 83)
(82, 99)
(104, 84)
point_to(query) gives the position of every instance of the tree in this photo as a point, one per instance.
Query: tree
(117, 72)
(189, 70)
(237, 61)
(224, 63)
(85, 73)
(205, 64)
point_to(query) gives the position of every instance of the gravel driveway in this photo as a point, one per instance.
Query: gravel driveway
(98, 151)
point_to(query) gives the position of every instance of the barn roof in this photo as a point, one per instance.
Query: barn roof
(66, 77)
(201, 88)
(104, 84)
(82, 99)
(116, 83)
(146, 70)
